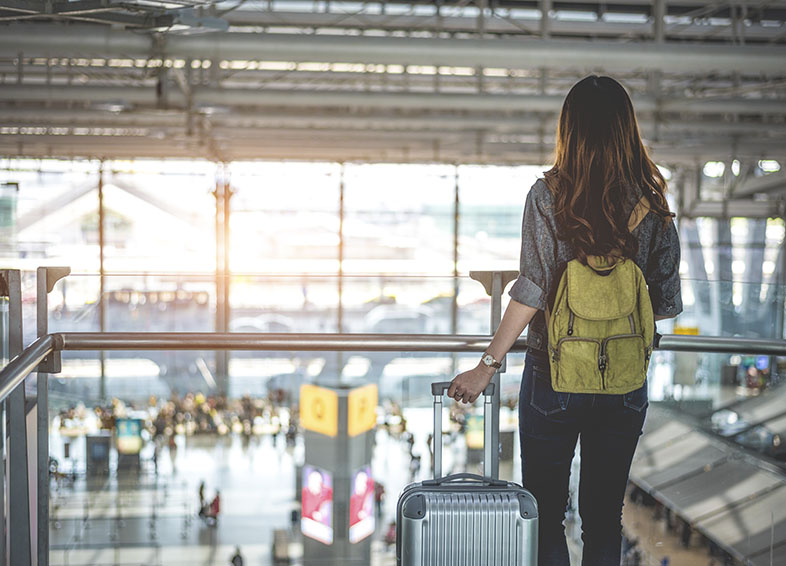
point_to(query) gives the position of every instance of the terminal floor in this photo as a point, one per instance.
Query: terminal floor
(151, 519)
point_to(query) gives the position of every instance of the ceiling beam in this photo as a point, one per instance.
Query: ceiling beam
(507, 25)
(774, 182)
(503, 122)
(737, 208)
(55, 40)
(304, 144)
(439, 101)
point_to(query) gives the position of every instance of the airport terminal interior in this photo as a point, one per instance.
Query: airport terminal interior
(239, 239)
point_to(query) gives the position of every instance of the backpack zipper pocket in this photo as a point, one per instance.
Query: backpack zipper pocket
(603, 359)
(575, 378)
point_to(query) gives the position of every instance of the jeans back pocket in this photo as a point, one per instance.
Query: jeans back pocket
(544, 399)
(636, 400)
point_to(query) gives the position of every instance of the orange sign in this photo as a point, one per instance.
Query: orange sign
(319, 409)
(362, 408)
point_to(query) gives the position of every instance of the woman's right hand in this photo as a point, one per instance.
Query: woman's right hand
(467, 386)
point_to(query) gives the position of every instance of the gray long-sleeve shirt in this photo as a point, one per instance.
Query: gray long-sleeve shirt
(544, 256)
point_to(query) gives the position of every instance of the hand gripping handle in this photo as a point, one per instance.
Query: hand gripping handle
(438, 390)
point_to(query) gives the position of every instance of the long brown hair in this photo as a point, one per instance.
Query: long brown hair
(600, 158)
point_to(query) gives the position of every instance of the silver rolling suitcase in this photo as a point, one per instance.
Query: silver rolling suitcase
(466, 519)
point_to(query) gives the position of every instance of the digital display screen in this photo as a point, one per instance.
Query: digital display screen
(129, 436)
(361, 505)
(317, 511)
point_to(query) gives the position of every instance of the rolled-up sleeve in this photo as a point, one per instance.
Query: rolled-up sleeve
(538, 253)
(663, 272)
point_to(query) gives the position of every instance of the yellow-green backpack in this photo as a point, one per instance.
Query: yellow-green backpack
(601, 328)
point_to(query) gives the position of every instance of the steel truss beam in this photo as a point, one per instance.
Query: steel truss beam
(738, 207)
(496, 25)
(339, 148)
(225, 97)
(775, 182)
(408, 127)
(322, 119)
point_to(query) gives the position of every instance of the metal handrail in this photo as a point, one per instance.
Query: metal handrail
(721, 345)
(287, 342)
(18, 368)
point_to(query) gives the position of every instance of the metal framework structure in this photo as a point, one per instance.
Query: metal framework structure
(458, 81)
(383, 81)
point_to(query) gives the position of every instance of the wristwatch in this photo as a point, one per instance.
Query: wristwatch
(489, 361)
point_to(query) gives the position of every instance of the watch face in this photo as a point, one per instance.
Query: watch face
(488, 359)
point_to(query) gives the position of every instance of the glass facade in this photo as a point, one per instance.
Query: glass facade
(326, 248)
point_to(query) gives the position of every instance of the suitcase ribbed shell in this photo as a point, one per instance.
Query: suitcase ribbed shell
(468, 526)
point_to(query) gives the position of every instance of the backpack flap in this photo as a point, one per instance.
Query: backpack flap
(593, 296)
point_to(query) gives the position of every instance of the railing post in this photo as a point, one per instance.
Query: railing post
(6, 357)
(495, 282)
(18, 485)
(46, 277)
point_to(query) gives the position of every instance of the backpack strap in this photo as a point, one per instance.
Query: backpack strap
(639, 212)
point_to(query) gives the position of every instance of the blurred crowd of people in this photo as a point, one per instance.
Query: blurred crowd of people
(192, 413)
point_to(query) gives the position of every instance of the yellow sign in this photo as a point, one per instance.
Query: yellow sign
(362, 408)
(319, 409)
(686, 330)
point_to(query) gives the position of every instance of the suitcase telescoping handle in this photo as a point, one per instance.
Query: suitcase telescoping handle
(438, 391)
(464, 477)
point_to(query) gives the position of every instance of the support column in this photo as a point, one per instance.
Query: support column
(456, 212)
(755, 317)
(224, 390)
(341, 187)
(776, 296)
(101, 280)
(337, 510)
(725, 275)
(780, 320)
(340, 312)
(222, 194)
(658, 21)
(481, 21)
(456, 282)
(545, 18)
(696, 267)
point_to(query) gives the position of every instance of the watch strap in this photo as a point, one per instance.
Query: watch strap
(494, 363)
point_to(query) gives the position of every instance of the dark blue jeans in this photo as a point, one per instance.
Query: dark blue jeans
(550, 424)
